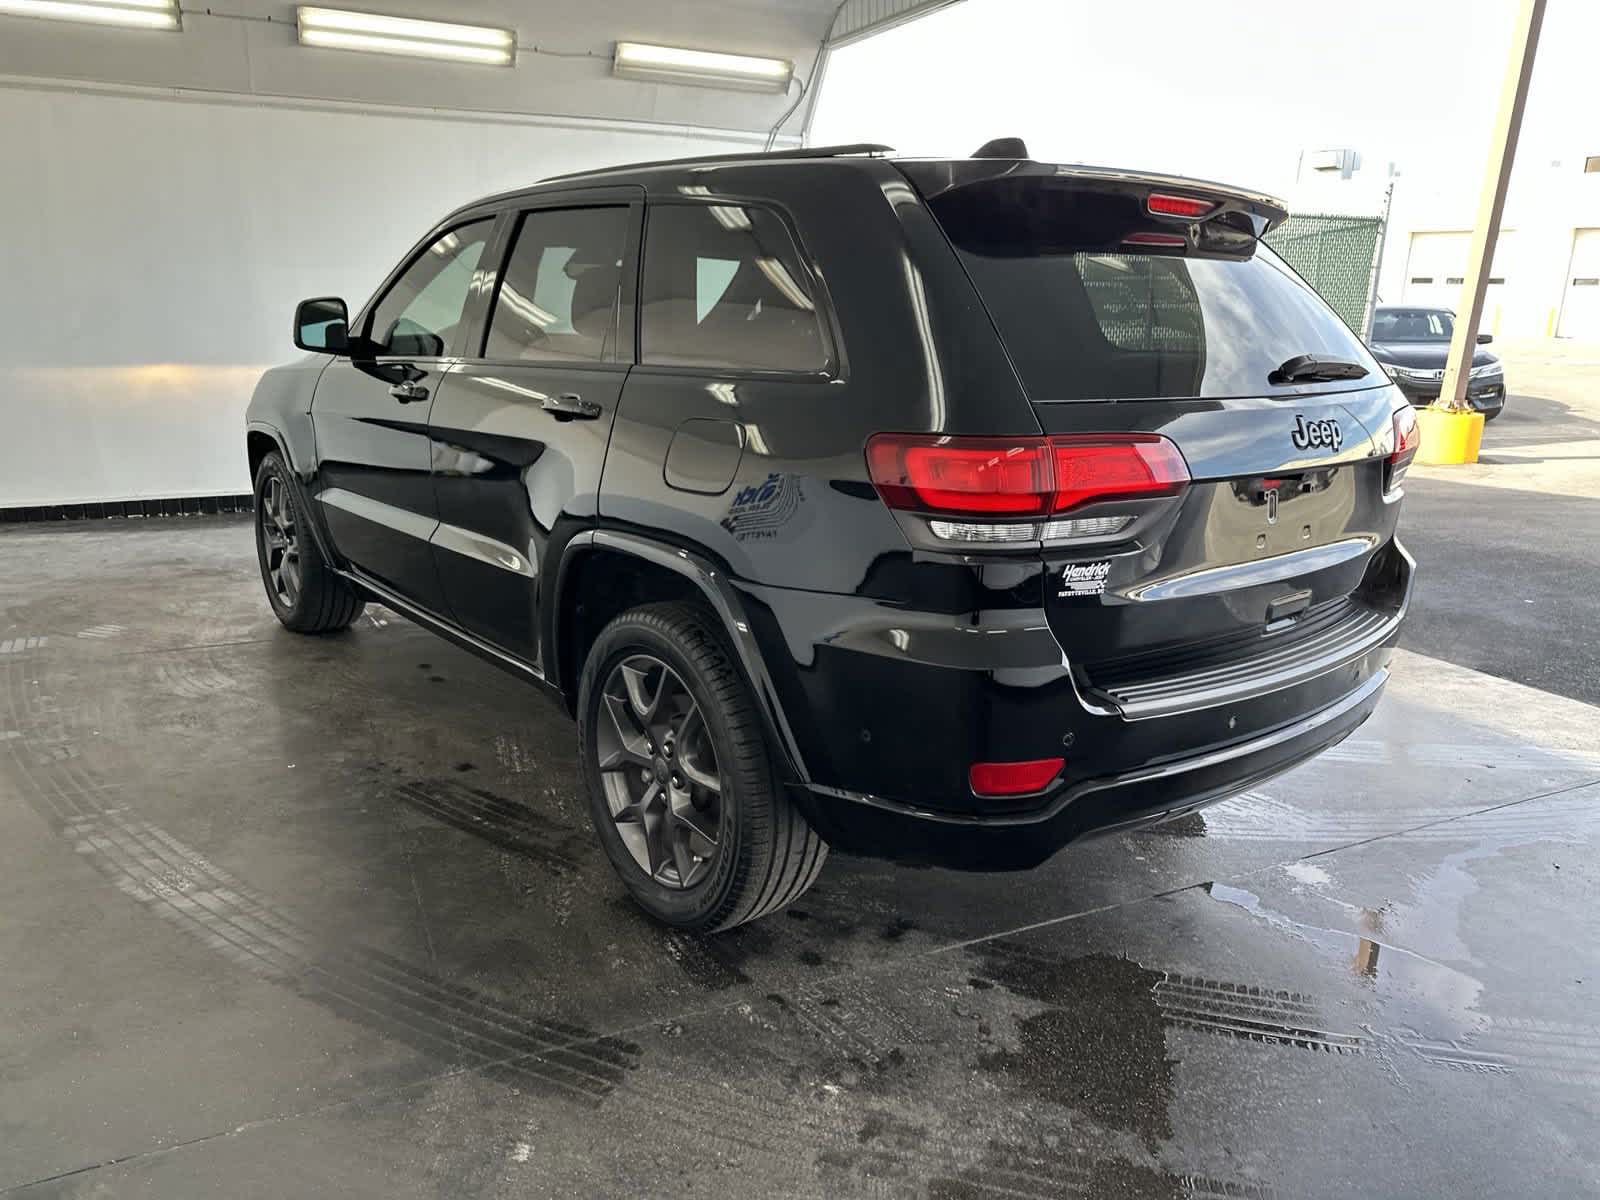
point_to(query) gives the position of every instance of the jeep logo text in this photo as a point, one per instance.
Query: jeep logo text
(1316, 433)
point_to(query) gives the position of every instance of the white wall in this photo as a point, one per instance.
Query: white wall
(154, 248)
(1548, 200)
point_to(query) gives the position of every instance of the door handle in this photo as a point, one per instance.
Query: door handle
(569, 406)
(408, 392)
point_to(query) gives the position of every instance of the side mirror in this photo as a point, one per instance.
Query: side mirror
(322, 325)
(1485, 338)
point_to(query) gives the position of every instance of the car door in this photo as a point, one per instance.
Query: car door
(520, 425)
(370, 414)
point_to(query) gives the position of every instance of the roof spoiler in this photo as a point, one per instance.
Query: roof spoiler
(935, 177)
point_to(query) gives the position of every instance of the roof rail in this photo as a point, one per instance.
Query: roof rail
(754, 155)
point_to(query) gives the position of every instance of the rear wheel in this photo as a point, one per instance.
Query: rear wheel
(305, 593)
(681, 785)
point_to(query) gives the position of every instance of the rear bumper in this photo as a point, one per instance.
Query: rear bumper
(890, 708)
(871, 825)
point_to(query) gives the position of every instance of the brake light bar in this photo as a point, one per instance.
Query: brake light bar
(1164, 204)
(1021, 477)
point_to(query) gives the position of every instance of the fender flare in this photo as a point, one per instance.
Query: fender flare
(714, 585)
(297, 482)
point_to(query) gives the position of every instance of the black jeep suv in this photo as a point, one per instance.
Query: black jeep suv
(946, 510)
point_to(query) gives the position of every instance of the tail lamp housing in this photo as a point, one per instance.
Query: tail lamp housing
(1407, 440)
(987, 491)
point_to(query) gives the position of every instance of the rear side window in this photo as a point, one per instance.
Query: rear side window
(1087, 315)
(418, 316)
(723, 287)
(557, 298)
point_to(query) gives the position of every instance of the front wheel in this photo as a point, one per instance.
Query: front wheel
(305, 593)
(682, 789)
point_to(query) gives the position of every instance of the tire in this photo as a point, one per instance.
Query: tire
(305, 593)
(765, 854)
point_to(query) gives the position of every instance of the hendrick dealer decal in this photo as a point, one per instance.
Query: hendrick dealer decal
(1085, 579)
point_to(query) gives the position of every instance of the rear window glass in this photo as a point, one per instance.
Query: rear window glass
(723, 287)
(1086, 317)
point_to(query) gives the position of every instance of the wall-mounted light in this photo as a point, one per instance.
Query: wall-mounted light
(706, 68)
(340, 29)
(136, 14)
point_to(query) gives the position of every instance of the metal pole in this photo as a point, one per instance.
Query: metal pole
(1491, 203)
(1377, 263)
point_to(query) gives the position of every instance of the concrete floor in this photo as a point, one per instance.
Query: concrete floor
(301, 917)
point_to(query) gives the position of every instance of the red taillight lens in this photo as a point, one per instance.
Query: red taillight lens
(1090, 468)
(1407, 438)
(961, 475)
(1163, 204)
(1013, 778)
(1021, 477)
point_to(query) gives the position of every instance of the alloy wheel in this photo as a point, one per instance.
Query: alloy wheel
(659, 769)
(281, 538)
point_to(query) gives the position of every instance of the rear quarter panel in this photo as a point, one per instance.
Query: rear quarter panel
(914, 350)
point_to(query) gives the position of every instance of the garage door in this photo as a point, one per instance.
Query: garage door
(1436, 268)
(1580, 308)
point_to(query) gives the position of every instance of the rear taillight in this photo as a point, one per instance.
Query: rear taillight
(1013, 778)
(1407, 437)
(994, 484)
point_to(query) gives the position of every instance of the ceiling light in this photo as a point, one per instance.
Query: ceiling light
(139, 14)
(339, 29)
(707, 68)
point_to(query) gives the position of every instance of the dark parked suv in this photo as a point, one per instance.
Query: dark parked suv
(941, 510)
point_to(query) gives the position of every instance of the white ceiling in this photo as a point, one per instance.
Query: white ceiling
(563, 69)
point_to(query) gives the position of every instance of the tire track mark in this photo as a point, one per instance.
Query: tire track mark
(1043, 1173)
(495, 819)
(1251, 1013)
(1244, 1011)
(1552, 1050)
(441, 1020)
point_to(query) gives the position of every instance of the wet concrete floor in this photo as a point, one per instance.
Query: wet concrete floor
(302, 917)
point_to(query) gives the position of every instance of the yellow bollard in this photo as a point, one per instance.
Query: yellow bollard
(1449, 437)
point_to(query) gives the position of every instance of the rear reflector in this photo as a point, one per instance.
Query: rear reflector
(1021, 477)
(1013, 778)
(1407, 438)
(1162, 204)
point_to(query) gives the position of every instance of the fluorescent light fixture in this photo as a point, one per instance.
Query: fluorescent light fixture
(341, 29)
(136, 14)
(707, 68)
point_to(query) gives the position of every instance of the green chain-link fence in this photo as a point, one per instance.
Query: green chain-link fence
(1336, 255)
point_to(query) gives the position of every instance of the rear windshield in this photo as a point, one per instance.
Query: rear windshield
(1086, 316)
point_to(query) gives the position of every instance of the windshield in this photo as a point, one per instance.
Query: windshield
(1412, 325)
(1092, 306)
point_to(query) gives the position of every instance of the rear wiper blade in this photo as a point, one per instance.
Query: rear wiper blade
(1310, 368)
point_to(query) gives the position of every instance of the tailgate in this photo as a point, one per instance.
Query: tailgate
(1146, 306)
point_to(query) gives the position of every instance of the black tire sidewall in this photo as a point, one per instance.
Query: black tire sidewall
(704, 904)
(272, 467)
